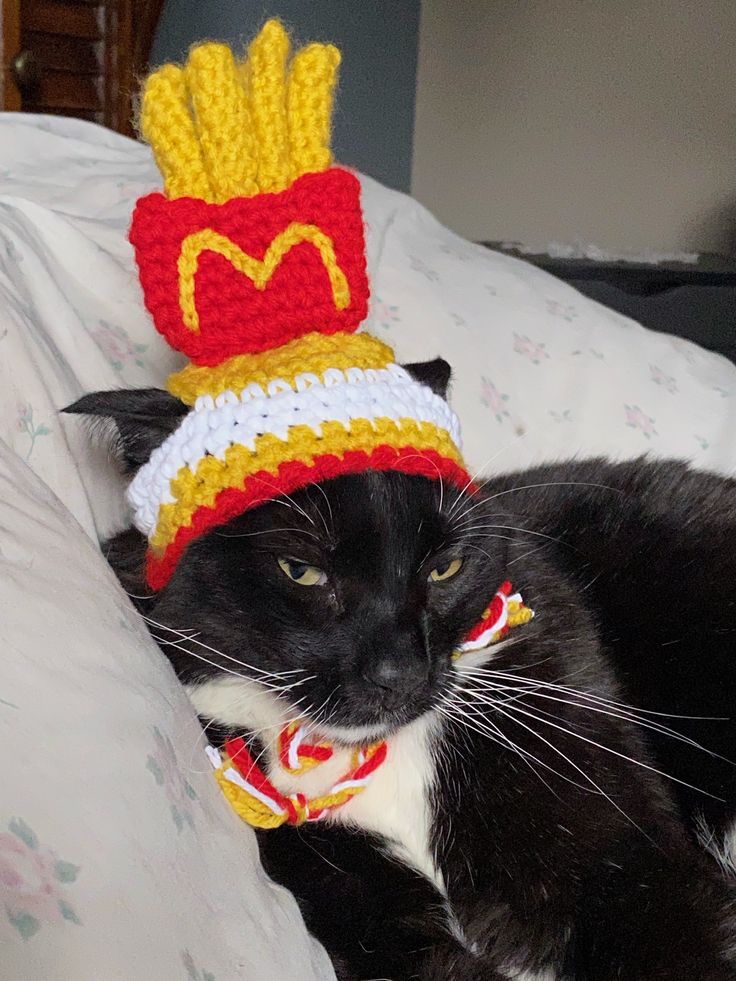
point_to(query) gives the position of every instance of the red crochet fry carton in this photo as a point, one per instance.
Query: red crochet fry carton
(255, 272)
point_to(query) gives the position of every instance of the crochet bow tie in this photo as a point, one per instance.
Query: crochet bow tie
(258, 802)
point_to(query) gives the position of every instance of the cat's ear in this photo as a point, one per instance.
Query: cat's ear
(141, 419)
(434, 374)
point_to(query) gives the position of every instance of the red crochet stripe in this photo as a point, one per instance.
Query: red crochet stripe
(319, 753)
(364, 770)
(235, 317)
(239, 753)
(484, 624)
(372, 763)
(496, 607)
(292, 476)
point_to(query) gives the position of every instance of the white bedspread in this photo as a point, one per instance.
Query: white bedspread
(540, 371)
(118, 857)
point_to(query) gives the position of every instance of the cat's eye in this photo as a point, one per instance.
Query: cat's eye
(446, 570)
(302, 573)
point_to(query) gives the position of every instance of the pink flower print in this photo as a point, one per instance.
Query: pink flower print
(637, 419)
(32, 881)
(660, 378)
(25, 424)
(420, 266)
(457, 252)
(683, 347)
(385, 314)
(130, 191)
(12, 253)
(164, 767)
(536, 353)
(117, 347)
(567, 311)
(564, 416)
(493, 399)
(193, 973)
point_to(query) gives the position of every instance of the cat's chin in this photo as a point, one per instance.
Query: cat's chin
(359, 735)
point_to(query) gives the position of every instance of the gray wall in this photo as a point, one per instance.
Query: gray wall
(374, 115)
(610, 122)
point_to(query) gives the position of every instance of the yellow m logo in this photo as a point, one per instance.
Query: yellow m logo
(259, 271)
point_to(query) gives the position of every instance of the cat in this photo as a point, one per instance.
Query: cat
(542, 811)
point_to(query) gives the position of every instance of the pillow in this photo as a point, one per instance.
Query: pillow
(112, 831)
(119, 856)
(540, 371)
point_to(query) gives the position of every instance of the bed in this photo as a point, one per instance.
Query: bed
(118, 856)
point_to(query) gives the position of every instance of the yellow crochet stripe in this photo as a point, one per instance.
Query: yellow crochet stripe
(200, 488)
(220, 128)
(265, 79)
(253, 811)
(305, 763)
(259, 815)
(223, 119)
(313, 352)
(259, 271)
(168, 126)
(518, 614)
(309, 108)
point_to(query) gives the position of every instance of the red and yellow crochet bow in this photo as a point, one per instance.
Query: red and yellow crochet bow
(257, 800)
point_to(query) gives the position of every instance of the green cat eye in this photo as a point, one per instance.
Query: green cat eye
(446, 571)
(302, 573)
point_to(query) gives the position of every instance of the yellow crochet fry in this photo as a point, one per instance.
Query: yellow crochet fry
(221, 129)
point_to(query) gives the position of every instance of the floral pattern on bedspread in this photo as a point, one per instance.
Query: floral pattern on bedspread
(33, 880)
(137, 824)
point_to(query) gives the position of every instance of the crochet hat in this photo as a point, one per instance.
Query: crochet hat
(252, 264)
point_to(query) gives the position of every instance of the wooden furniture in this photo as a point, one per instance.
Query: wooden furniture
(77, 57)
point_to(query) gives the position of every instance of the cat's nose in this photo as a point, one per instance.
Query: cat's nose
(397, 679)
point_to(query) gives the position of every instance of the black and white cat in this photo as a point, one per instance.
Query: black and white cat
(542, 809)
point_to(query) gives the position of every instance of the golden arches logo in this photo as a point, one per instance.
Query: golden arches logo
(259, 271)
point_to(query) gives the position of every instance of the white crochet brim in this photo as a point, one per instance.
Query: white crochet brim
(240, 418)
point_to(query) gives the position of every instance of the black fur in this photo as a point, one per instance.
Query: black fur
(143, 419)
(555, 852)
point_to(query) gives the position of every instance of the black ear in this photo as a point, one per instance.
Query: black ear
(434, 374)
(143, 418)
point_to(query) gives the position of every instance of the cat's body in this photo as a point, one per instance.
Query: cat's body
(521, 825)
(553, 858)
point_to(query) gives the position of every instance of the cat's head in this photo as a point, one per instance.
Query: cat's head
(343, 601)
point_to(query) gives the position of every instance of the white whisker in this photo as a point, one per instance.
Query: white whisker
(521, 531)
(228, 657)
(509, 715)
(478, 723)
(623, 715)
(608, 749)
(267, 531)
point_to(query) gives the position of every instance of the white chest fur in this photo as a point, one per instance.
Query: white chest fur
(395, 804)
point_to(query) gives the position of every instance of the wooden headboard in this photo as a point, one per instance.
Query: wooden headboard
(77, 57)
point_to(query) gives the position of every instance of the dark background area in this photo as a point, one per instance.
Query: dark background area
(374, 113)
